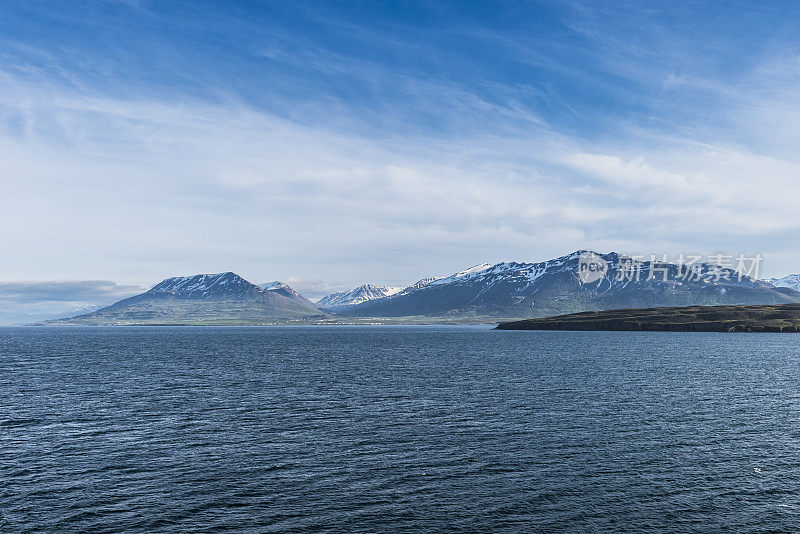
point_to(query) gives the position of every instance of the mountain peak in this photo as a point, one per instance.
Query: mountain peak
(204, 286)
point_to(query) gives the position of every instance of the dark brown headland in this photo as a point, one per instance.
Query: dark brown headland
(759, 318)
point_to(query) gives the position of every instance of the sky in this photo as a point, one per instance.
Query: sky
(330, 144)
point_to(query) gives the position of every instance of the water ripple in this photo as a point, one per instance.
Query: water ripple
(397, 429)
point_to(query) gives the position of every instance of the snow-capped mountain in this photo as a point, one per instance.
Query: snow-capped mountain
(553, 287)
(359, 295)
(791, 281)
(224, 298)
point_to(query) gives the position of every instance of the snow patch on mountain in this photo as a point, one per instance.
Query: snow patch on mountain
(271, 286)
(463, 275)
(520, 272)
(201, 285)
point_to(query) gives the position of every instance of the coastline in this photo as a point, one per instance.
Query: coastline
(781, 318)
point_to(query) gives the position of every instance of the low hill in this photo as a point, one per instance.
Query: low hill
(778, 318)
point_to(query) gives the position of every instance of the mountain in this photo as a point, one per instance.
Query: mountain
(368, 293)
(287, 291)
(355, 296)
(554, 287)
(791, 281)
(224, 298)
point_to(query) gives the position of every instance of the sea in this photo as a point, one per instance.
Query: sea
(397, 429)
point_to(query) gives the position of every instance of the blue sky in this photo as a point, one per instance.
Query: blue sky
(331, 144)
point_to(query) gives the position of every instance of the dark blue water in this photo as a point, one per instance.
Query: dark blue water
(378, 429)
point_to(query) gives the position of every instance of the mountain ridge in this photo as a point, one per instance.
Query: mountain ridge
(482, 293)
(553, 287)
